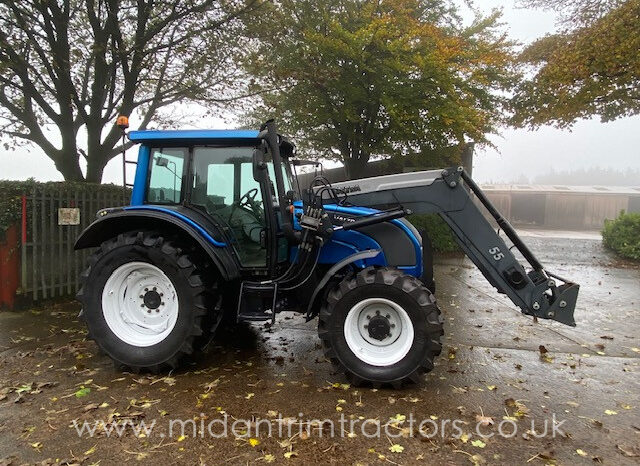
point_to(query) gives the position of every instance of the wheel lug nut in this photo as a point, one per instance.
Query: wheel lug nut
(393, 325)
(141, 296)
(148, 311)
(142, 305)
(366, 326)
(154, 288)
(146, 289)
(368, 317)
(388, 316)
(161, 295)
(377, 313)
(162, 303)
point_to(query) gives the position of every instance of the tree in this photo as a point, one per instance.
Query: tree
(592, 67)
(574, 13)
(356, 79)
(68, 68)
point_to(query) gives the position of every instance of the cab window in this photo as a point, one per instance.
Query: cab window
(165, 179)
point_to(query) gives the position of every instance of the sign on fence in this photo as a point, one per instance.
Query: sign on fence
(68, 216)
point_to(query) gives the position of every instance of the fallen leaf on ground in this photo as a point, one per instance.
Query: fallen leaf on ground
(83, 391)
(484, 420)
(91, 450)
(395, 448)
(631, 452)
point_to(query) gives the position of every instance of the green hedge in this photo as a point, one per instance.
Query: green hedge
(11, 193)
(10, 202)
(438, 231)
(622, 235)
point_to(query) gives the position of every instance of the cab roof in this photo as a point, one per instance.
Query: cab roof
(200, 135)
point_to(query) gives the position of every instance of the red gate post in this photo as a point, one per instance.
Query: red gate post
(9, 265)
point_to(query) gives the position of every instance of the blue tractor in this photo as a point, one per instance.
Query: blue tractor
(219, 228)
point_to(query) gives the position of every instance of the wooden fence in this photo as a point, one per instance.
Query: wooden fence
(50, 267)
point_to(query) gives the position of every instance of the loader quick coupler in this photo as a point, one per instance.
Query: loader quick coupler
(550, 301)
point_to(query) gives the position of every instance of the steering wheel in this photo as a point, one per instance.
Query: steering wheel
(248, 199)
(249, 204)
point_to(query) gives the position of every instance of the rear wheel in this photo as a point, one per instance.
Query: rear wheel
(381, 327)
(144, 301)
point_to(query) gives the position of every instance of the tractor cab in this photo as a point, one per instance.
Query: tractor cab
(226, 176)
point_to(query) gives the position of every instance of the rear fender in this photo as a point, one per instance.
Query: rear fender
(116, 221)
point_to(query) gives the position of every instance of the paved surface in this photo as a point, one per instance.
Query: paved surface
(564, 234)
(491, 371)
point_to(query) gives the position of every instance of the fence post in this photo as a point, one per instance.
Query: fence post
(23, 246)
(34, 242)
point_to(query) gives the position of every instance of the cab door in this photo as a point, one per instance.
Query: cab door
(224, 186)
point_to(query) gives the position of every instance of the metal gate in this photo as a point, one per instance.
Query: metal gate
(50, 267)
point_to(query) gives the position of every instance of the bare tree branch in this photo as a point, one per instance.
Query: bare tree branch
(71, 65)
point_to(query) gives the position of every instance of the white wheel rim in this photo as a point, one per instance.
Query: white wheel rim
(132, 318)
(378, 352)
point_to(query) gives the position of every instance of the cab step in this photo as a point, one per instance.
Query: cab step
(257, 302)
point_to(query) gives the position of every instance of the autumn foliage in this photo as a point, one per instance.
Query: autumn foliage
(591, 69)
(357, 79)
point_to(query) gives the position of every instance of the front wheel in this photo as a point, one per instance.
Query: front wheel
(381, 327)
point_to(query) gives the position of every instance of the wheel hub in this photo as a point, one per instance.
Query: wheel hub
(379, 327)
(140, 304)
(152, 299)
(378, 331)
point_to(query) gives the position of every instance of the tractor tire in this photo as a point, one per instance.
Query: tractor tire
(381, 327)
(144, 301)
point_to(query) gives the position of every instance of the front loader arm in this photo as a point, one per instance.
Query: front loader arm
(447, 193)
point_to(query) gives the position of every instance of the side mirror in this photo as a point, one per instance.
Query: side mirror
(259, 167)
(162, 162)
